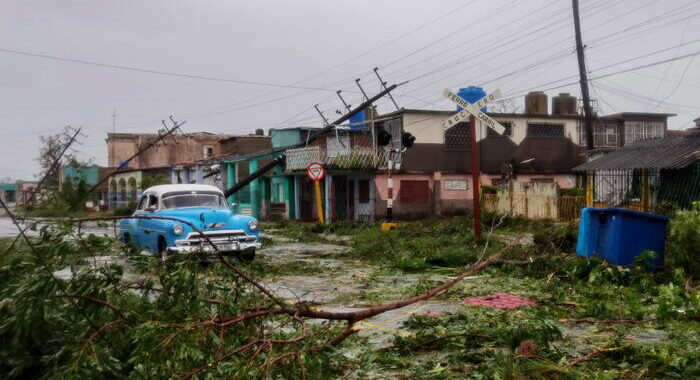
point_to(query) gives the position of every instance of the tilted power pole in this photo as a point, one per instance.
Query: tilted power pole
(279, 160)
(587, 113)
(167, 132)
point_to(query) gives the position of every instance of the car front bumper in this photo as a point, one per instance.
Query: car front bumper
(224, 247)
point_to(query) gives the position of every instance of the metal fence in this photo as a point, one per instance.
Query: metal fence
(658, 191)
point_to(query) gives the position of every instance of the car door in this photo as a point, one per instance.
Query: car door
(149, 228)
(135, 231)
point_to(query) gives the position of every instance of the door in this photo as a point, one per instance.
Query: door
(306, 200)
(339, 197)
(148, 229)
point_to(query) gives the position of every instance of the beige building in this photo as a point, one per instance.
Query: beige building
(169, 151)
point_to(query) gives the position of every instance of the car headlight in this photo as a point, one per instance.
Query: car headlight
(178, 229)
(253, 225)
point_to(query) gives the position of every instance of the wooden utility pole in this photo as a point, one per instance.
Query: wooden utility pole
(587, 113)
(161, 135)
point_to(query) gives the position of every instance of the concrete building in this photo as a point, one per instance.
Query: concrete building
(92, 174)
(125, 186)
(169, 151)
(8, 193)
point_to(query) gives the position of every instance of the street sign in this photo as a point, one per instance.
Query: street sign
(473, 109)
(315, 172)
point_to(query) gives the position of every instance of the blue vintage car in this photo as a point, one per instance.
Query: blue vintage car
(203, 206)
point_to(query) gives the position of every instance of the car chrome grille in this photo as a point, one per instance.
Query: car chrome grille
(217, 237)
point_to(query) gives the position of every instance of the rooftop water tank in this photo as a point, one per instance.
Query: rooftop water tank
(564, 104)
(536, 103)
(472, 94)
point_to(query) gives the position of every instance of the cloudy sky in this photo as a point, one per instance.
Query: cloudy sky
(233, 66)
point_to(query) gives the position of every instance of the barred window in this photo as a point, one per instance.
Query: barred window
(642, 130)
(457, 137)
(545, 130)
(507, 133)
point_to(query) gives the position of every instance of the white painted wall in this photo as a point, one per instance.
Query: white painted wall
(427, 127)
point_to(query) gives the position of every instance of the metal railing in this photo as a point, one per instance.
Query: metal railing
(356, 158)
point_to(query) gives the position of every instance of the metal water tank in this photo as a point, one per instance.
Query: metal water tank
(536, 103)
(260, 132)
(564, 104)
(472, 94)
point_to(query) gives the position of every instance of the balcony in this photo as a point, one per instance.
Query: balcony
(356, 158)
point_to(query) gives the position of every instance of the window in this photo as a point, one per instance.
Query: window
(414, 191)
(545, 130)
(604, 135)
(507, 133)
(457, 137)
(642, 130)
(363, 190)
(455, 184)
(143, 203)
(208, 151)
(181, 199)
(152, 201)
(395, 128)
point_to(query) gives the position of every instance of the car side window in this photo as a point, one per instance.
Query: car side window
(153, 201)
(143, 203)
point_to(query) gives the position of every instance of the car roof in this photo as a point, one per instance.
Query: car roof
(162, 189)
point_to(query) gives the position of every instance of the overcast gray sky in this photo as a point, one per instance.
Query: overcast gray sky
(513, 45)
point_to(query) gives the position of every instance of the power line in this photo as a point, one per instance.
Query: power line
(158, 72)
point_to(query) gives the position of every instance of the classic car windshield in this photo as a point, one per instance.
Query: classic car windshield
(182, 199)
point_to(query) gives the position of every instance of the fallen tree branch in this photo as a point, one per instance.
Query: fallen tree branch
(591, 354)
(627, 321)
(117, 310)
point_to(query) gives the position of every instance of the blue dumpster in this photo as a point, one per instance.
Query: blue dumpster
(618, 235)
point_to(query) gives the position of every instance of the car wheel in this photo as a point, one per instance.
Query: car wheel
(247, 255)
(162, 249)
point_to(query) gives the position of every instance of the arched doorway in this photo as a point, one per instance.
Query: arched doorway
(122, 190)
(132, 189)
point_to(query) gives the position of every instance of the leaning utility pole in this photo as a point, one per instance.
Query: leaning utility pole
(161, 135)
(279, 160)
(588, 115)
(54, 165)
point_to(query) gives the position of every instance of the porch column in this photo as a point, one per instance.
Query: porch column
(199, 176)
(254, 190)
(185, 175)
